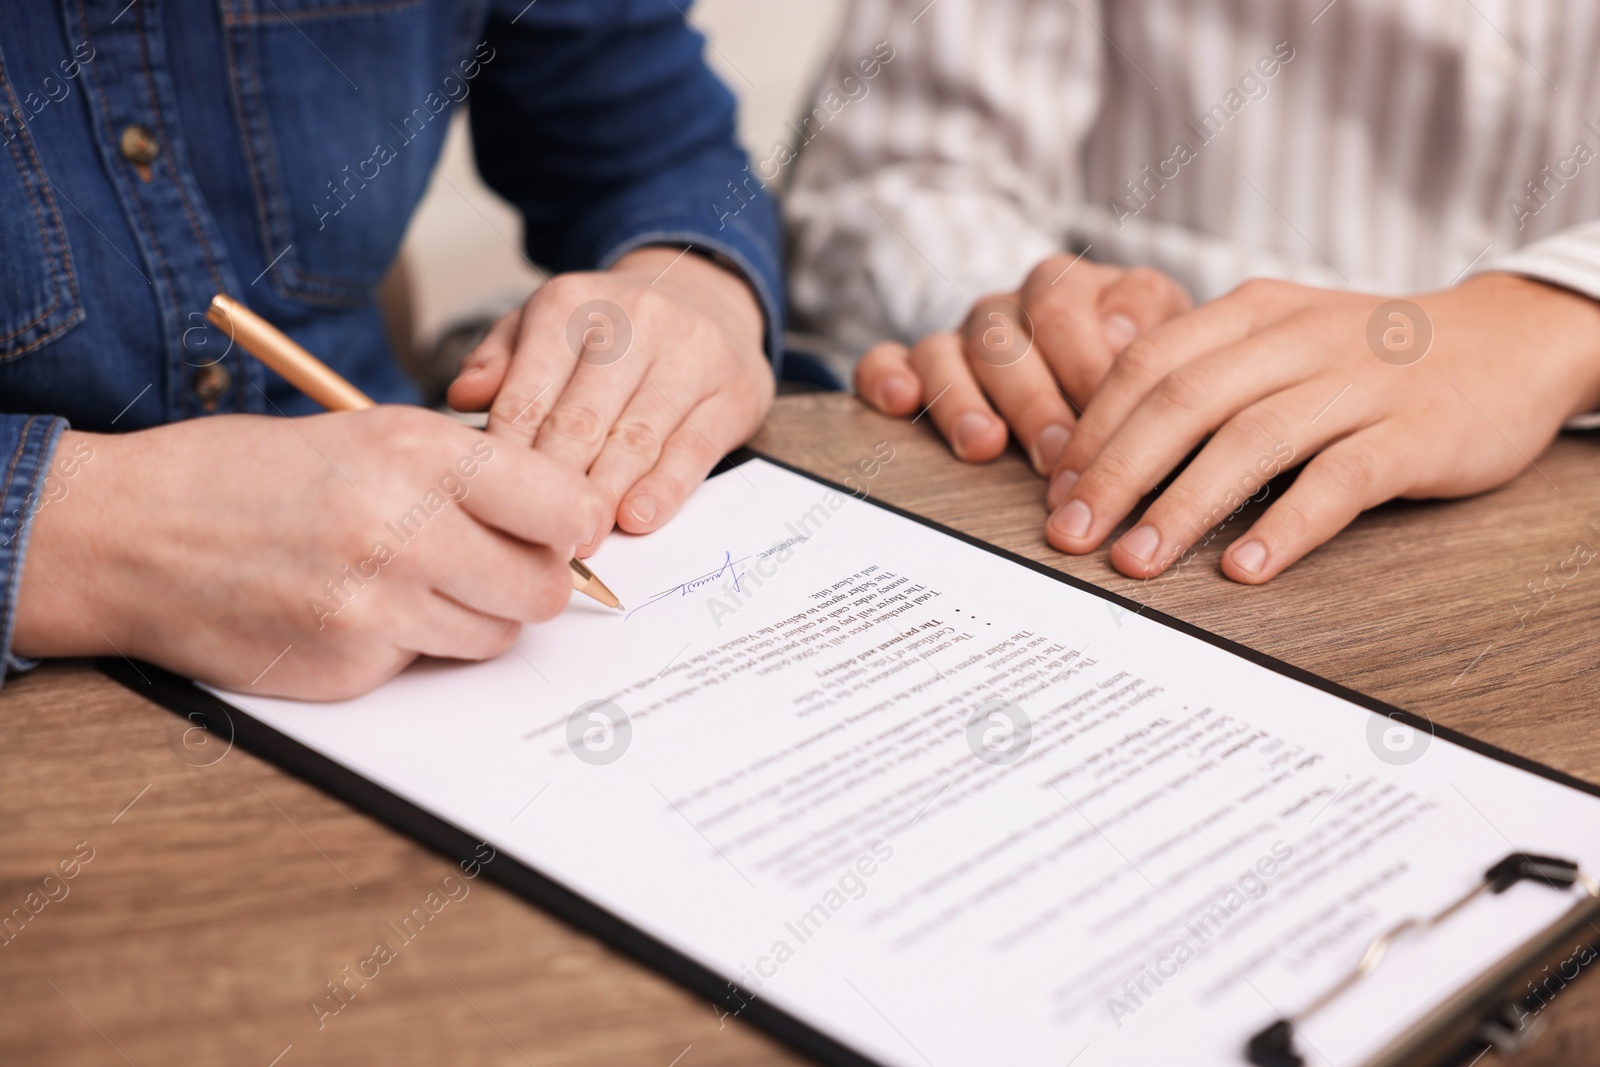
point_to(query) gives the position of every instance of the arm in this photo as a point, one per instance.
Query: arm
(27, 485)
(947, 175)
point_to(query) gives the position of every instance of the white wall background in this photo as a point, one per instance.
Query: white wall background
(462, 252)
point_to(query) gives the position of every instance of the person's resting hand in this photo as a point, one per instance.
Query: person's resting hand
(671, 377)
(1280, 374)
(1076, 316)
(310, 557)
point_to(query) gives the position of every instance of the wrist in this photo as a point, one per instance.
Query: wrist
(1552, 323)
(702, 282)
(59, 608)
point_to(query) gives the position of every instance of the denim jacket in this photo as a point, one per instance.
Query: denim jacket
(160, 151)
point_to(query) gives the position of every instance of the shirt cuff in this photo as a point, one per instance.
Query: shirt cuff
(28, 442)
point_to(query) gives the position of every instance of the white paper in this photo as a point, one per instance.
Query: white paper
(1189, 845)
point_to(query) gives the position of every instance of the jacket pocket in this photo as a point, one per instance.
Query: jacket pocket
(39, 298)
(341, 111)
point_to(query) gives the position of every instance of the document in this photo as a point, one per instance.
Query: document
(947, 809)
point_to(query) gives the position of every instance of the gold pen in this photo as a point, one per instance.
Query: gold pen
(324, 385)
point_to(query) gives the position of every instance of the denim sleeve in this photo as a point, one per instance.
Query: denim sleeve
(27, 442)
(600, 120)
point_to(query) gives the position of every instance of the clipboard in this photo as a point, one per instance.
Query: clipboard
(1487, 1012)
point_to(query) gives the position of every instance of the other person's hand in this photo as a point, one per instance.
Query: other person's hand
(1278, 374)
(1016, 355)
(311, 557)
(642, 376)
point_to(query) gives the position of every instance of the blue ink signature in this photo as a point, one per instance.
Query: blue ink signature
(729, 567)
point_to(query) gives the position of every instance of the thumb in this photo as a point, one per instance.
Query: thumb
(1136, 303)
(483, 370)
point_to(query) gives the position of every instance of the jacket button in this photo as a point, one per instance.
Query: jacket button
(211, 383)
(139, 146)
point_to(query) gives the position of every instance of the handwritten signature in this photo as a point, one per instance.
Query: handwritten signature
(730, 566)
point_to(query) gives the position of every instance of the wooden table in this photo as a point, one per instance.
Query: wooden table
(220, 898)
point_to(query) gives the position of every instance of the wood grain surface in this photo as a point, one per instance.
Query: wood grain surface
(221, 898)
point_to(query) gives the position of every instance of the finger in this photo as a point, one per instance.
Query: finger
(484, 368)
(1061, 296)
(1136, 303)
(542, 360)
(631, 451)
(450, 630)
(1359, 472)
(504, 578)
(528, 496)
(954, 401)
(706, 433)
(1027, 396)
(1151, 358)
(1174, 417)
(1247, 452)
(575, 430)
(885, 380)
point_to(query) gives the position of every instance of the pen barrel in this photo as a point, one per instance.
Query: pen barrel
(297, 366)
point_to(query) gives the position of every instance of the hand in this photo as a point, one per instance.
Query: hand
(1279, 374)
(1076, 316)
(311, 557)
(670, 378)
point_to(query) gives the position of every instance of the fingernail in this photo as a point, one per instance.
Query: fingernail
(1047, 448)
(1060, 486)
(1141, 543)
(1073, 520)
(968, 427)
(643, 508)
(899, 391)
(469, 371)
(1250, 556)
(1119, 330)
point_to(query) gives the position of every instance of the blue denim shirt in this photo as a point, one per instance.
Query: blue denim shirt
(158, 152)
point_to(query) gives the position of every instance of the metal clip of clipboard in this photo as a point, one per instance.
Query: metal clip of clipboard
(1275, 1045)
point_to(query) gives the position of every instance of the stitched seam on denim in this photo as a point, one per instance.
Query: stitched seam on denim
(11, 470)
(38, 215)
(168, 162)
(253, 18)
(160, 266)
(270, 205)
(8, 606)
(236, 63)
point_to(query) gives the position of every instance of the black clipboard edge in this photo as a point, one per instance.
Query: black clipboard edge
(1449, 1035)
(181, 696)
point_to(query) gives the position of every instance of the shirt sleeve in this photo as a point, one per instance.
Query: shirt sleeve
(1570, 259)
(941, 160)
(27, 442)
(600, 120)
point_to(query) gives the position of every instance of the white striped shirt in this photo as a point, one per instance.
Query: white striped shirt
(1381, 145)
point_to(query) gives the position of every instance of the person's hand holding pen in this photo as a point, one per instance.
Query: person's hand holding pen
(642, 376)
(310, 557)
